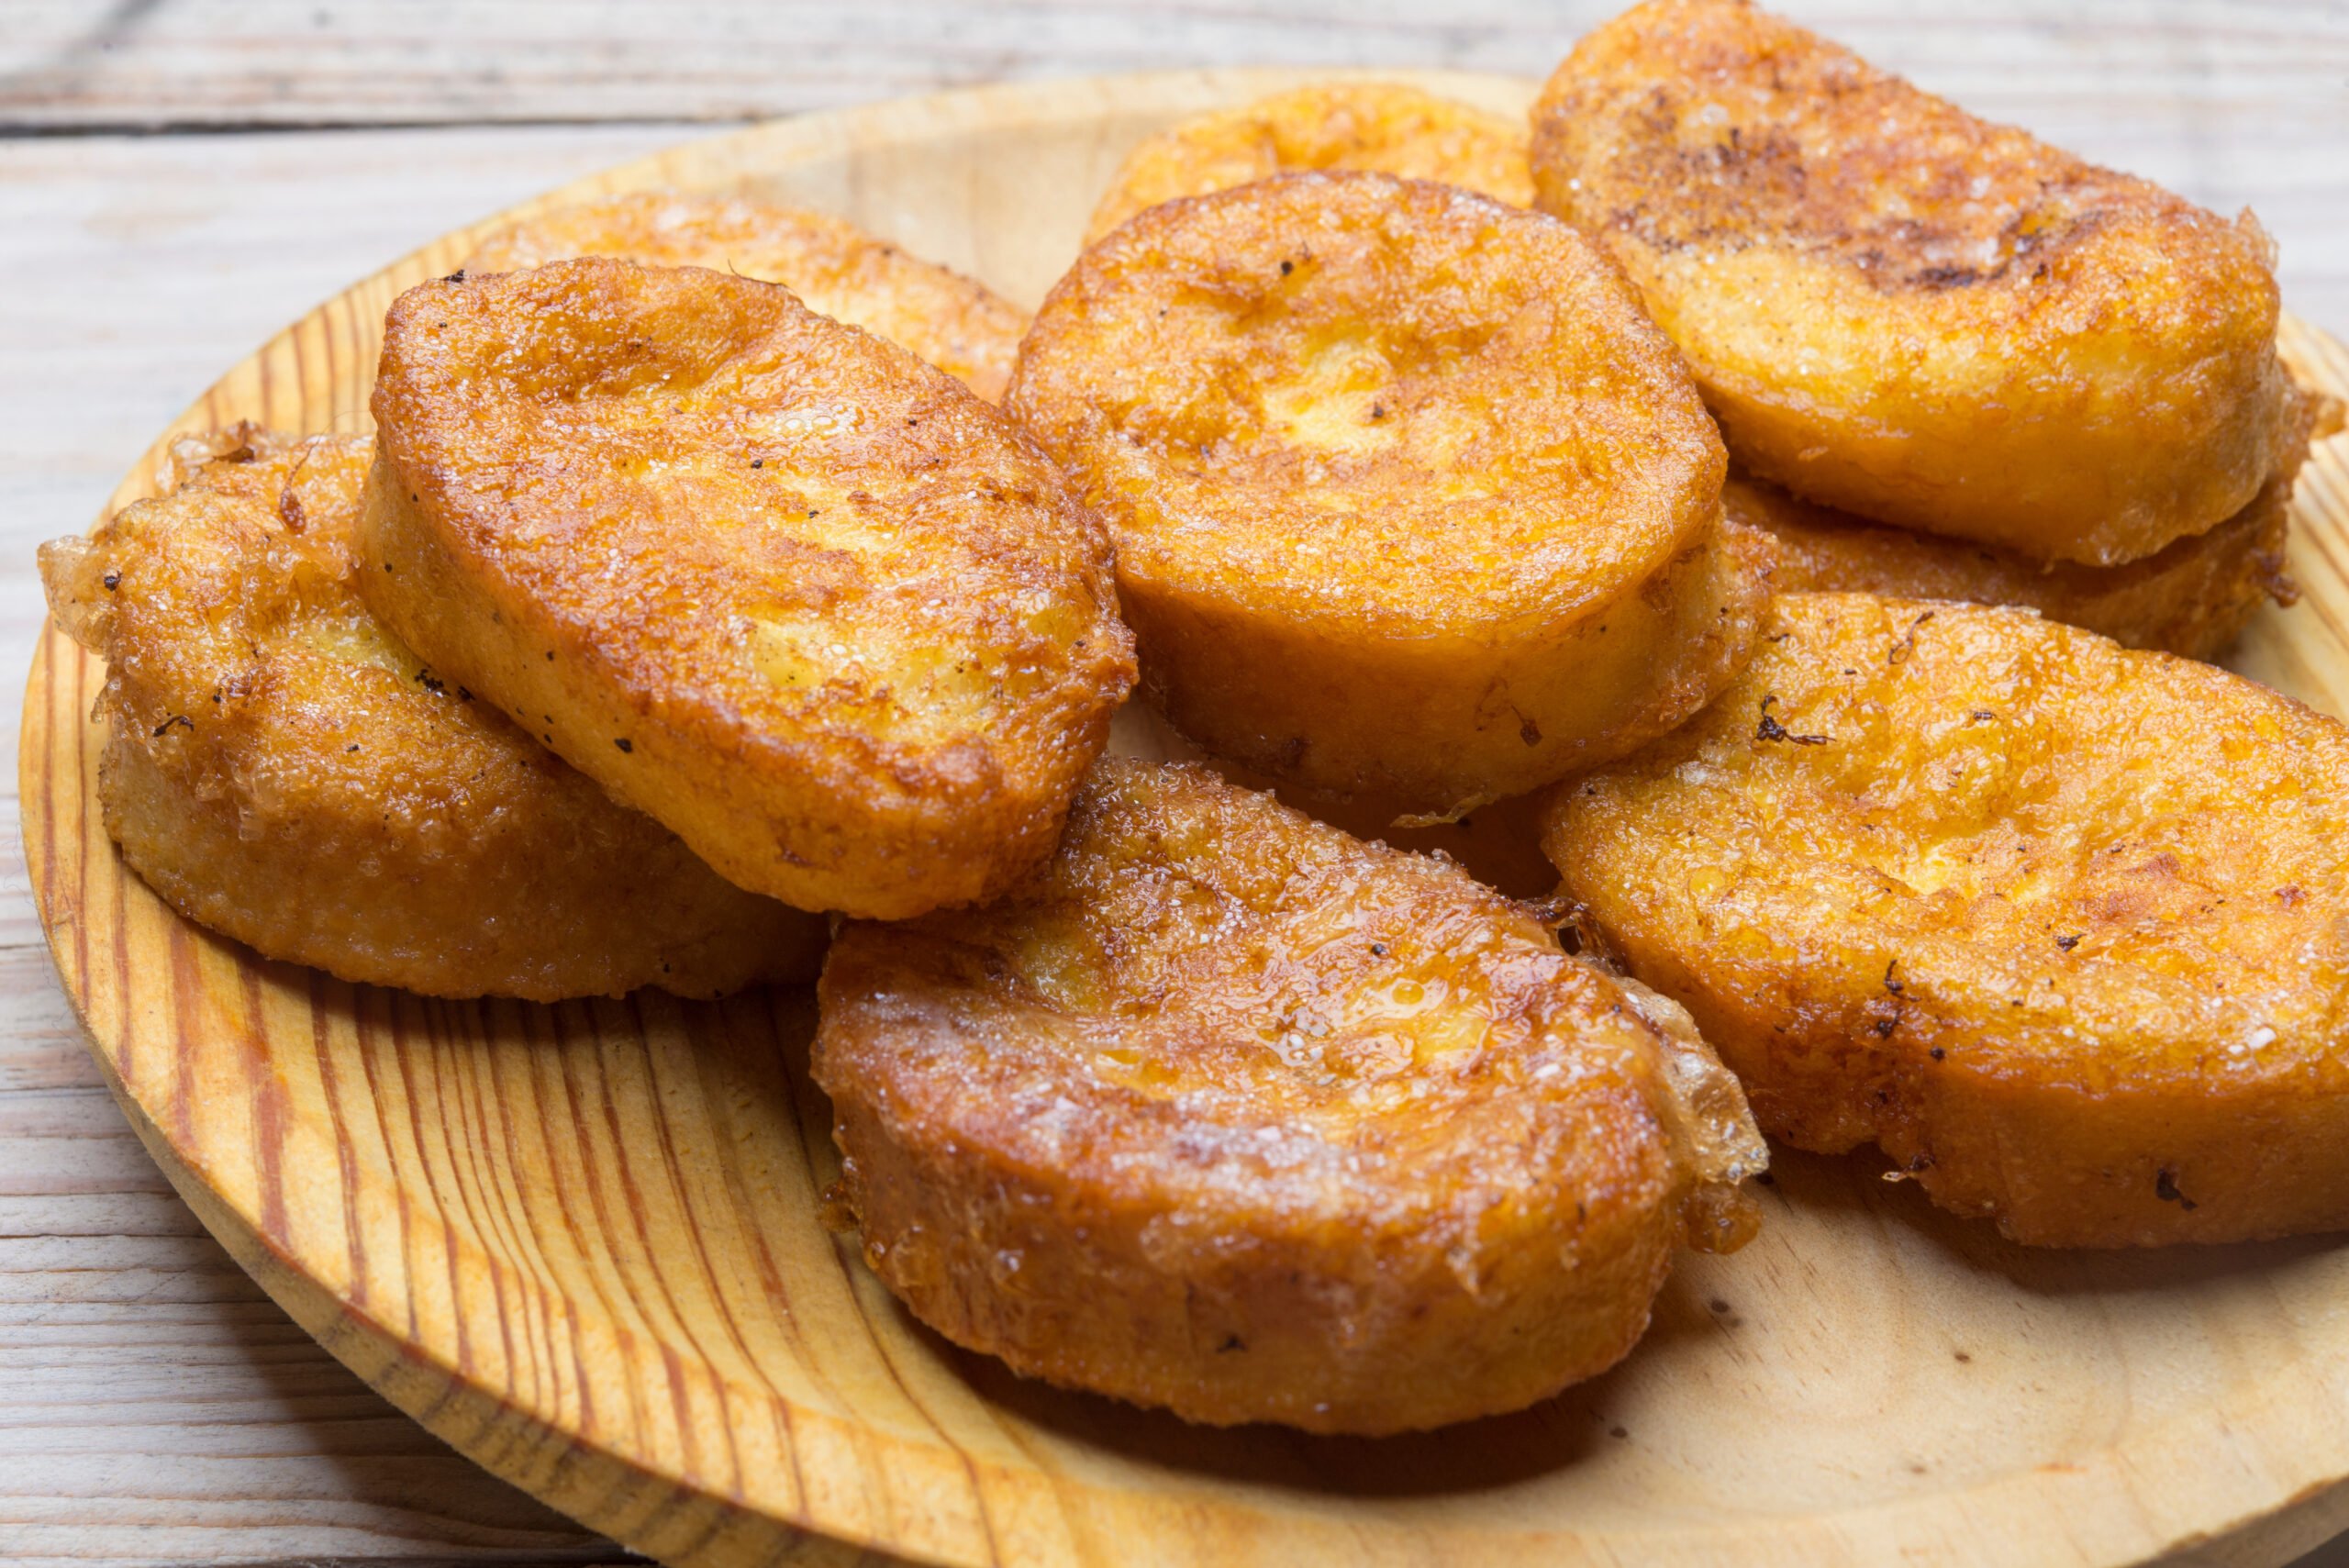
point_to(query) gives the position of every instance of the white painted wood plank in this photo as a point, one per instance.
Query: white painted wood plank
(332, 62)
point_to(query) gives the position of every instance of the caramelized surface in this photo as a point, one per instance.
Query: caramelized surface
(1232, 1113)
(282, 769)
(835, 268)
(771, 580)
(1410, 498)
(1376, 125)
(2062, 927)
(1907, 313)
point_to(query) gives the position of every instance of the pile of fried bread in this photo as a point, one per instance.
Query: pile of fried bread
(1802, 507)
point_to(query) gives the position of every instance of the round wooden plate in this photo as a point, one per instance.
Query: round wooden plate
(582, 1243)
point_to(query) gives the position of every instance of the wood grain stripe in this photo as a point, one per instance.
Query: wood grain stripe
(346, 1152)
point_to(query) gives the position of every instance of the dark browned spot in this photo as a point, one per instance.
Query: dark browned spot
(1771, 730)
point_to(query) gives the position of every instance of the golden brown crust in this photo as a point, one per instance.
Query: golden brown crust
(282, 770)
(835, 268)
(1230, 1113)
(773, 581)
(2192, 598)
(1377, 126)
(1410, 500)
(1906, 312)
(2064, 928)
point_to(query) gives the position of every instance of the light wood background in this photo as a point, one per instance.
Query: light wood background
(177, 180)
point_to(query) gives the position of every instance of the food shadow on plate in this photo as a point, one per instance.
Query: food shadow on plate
(1496, 1452)
(1864, 1188)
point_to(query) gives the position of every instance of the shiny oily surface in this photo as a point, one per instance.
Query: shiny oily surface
(2192, 598)
(1409, 497)
(1232, 1113)
(1383, 127)
(774, 581)
(2062, 927)
(1907, 313)
(284, 771)
(836, 269)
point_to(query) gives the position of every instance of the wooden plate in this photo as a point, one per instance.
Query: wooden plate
(581, 1242)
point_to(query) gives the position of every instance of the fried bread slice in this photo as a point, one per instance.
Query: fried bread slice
(1378, 126)
(2191, 598)
(1410, 499)
(1230, 1113)
(774, 581)
(281, 769)
(1906, 312)
(835, 268)
(2061, 927)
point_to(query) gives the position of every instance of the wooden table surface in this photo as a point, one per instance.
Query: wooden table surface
(178, 179)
